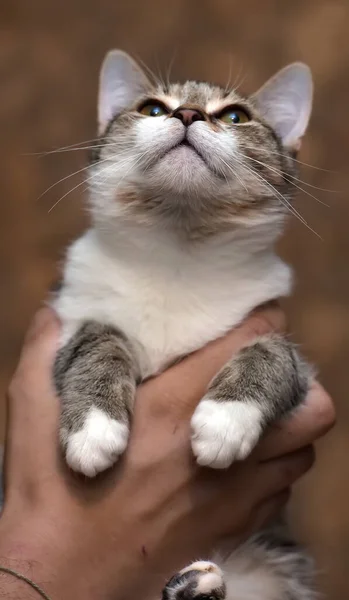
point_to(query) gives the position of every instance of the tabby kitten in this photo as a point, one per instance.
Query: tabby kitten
(190, 185)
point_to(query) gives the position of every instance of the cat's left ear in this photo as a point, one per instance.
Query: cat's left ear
(121, 82)
(285, 103)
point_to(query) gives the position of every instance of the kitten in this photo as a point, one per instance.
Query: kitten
(189, 189)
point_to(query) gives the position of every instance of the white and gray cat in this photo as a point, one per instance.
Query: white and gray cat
(189, 187)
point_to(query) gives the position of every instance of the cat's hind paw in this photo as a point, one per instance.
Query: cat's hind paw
(202, 580)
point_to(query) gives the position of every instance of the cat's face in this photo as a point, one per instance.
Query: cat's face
(195, 153)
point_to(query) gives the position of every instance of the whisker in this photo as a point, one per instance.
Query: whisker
(235, 174)
(96, 175)
(80, 148)
(159, 74)
(239, 79)
(153, 76)
(285, 176)
(85, 168)
(228, 86)
(304, 164)
(64, 196)
(62, 149)
(75, 187)
(314, 187)
(278, 194)
(169, 69)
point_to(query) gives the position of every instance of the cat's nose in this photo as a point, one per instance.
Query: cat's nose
(188, 115)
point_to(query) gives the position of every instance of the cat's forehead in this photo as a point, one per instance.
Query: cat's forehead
(209, 97)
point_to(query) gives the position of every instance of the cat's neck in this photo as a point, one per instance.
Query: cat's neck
(164, 246)
(139, 223)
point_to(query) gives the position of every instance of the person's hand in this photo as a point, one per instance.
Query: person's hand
(126, 532)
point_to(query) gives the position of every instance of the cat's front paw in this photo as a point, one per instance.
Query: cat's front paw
(202, 580)
(97, 445)
(223, 432)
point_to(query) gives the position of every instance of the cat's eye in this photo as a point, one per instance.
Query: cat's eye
(153, 109)
(234, 115)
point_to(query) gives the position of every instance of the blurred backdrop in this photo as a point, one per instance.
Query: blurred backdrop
(49, 61)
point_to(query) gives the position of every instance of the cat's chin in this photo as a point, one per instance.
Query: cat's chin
(183, 156)
(182, 169)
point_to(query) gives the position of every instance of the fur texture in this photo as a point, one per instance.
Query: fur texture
(185, 212)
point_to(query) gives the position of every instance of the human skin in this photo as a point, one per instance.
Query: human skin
(125, 533)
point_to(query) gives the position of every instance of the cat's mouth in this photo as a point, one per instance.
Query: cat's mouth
(187, 150)
(185, 144)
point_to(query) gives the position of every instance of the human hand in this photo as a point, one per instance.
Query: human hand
(127, 531)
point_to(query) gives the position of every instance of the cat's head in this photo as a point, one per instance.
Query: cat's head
(195, 155)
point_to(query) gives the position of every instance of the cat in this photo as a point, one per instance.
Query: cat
(189, 188)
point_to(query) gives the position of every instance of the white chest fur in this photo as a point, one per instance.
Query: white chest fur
(168, 299)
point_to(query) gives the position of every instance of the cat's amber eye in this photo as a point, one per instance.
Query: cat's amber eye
(152, 109)
(234, 115)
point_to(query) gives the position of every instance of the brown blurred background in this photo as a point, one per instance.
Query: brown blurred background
(50, 53)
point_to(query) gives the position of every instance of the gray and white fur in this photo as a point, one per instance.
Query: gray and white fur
(189, 188)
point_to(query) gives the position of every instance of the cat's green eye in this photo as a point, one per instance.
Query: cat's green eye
(234, 115)
(153, 110)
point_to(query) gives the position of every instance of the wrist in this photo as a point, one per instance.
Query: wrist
(30, 548)
(55, 558)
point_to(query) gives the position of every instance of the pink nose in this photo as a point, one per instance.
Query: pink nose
(188, 115)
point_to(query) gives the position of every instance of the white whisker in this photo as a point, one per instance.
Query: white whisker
(282, 199)
(286, 176)
(61, 181)
(235, 175)
(96, 175)
(62, 149)
(304, 164)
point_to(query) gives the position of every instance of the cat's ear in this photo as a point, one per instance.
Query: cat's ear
(121, 81)
(285, 103)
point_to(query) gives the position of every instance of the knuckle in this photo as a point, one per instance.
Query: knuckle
(309, 457)
(257, 325)
(15, 387)
(305, 460)
(297, 465)
(265, 321)
(18, 387)
(325, 412)
(284, 496)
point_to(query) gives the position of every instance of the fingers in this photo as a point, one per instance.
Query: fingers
(40, 346)
(276, 475)
(32, 404)
(309, 422)
(268, 510)
(175, 393)
(259, 489)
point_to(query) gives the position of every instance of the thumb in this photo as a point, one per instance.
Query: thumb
(33, 407)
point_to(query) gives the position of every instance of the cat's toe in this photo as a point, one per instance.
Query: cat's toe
(202, 580)
(97, 445)
(223, 432)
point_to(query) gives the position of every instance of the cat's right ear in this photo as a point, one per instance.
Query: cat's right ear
(121, 81)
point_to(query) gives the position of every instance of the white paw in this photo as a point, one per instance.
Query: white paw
(97, 445)
(224, 431)
(209, 579)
